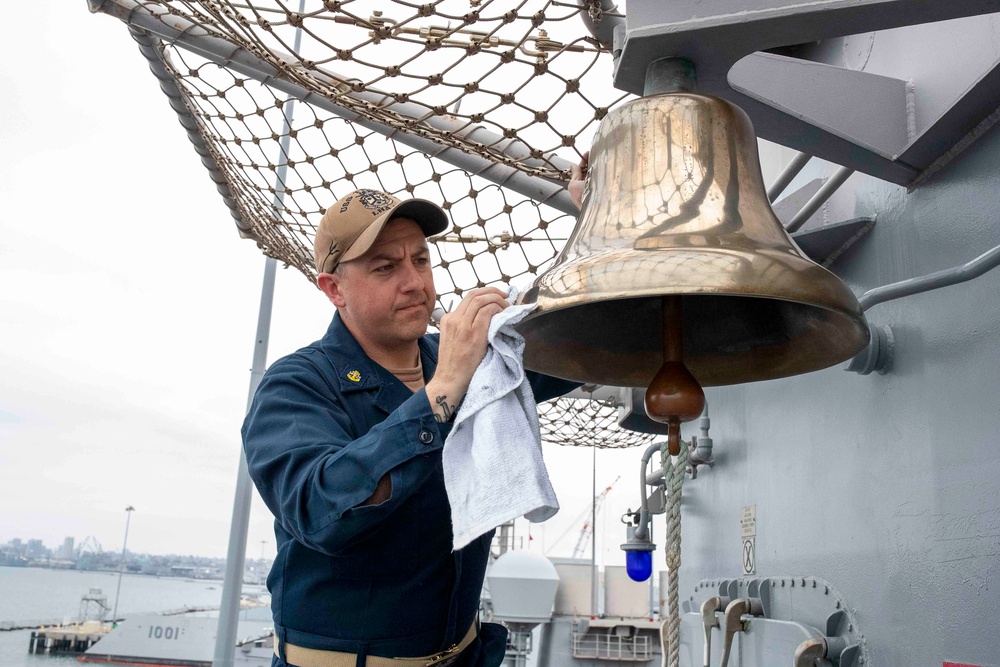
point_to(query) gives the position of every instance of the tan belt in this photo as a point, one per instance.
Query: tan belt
(310, 657)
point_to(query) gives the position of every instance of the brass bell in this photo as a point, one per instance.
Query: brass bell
(675, 207)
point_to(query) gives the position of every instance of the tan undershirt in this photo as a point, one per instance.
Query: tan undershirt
(411, 377)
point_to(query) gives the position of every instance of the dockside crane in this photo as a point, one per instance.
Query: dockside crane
(587, 530)
(588, 526)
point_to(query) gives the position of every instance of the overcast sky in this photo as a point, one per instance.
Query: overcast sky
(128, 305)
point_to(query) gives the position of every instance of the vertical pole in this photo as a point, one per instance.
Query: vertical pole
(121, 565)
(229, 610)
(593, 538)
(232, 587)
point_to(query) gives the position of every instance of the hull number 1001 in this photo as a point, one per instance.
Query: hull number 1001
(161, 632)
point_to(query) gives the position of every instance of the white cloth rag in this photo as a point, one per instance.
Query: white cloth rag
(493, 467)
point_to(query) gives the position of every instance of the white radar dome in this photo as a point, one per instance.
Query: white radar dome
(523, 587)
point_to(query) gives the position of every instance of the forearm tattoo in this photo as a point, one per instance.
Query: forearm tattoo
(445, 412)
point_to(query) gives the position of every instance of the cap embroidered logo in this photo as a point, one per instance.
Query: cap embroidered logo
(375, 201)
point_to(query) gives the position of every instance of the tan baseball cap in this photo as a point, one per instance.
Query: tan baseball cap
(349, 227)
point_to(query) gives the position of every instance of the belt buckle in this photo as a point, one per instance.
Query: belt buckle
(444, 658)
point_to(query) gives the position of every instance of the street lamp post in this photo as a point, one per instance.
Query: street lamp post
(121, 566)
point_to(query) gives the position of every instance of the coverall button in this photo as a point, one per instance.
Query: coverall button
(425, 437)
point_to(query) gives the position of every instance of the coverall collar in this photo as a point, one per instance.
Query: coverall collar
(356, 371)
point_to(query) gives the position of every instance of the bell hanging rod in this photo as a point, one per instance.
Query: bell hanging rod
(826, 191)
(787, 174)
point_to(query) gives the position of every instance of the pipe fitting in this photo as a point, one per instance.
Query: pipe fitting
(641, 530)
(877, 356)
(700, 452)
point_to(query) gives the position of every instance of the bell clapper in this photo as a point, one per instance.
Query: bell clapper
(674, 395)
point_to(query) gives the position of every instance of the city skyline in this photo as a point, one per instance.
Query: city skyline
(70, 547)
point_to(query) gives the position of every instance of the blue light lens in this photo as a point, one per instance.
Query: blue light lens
(639, 565)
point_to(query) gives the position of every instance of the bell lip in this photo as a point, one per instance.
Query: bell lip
(544, 360)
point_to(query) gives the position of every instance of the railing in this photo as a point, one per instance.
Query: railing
(501, 546)
(10, 626)
(611, 647)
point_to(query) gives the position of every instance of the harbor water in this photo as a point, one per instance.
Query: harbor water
(35, 594)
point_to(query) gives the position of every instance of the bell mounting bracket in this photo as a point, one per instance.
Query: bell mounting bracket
(756, 54)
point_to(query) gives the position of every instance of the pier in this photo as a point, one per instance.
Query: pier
(60, 639)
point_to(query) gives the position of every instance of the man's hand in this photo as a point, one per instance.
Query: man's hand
(462, 347)
(578, 179)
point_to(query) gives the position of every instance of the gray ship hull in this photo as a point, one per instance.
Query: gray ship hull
(178, 641)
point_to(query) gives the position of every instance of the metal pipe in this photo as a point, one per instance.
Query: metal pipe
(825, 192)
(232, 587)
(225, 642)
(593, 538)
(987, 261)
(602, 22)
(790, 171)
(188, 35)
(640, 530)
(701, 446)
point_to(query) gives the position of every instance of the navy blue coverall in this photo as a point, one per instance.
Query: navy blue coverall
(325, 425)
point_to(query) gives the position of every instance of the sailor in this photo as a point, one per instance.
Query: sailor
(343, 441)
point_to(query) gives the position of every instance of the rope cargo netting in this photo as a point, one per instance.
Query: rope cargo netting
(481, 106)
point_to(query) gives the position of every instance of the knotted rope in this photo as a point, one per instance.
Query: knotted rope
(673, 477)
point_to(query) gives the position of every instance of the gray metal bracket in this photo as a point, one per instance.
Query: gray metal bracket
(632, 413)
(852, 118)
(824, 245)
(877, 355)
(795, 609)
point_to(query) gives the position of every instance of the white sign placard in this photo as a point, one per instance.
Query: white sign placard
(748, 522)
